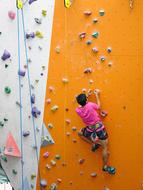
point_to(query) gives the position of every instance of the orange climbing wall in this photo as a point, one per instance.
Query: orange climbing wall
(121, 94)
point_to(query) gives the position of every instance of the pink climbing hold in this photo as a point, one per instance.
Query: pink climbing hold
(59, 180)
(68, 121)
(48, 101)
(87, 13)
(82, 35)
(11, 15)
(51, 88)
(95, 50)
(46, 155)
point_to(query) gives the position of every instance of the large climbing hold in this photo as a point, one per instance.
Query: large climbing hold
(6, 55)
(43, 183)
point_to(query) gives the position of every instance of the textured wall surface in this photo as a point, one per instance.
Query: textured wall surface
(9, 77)
(121, 94)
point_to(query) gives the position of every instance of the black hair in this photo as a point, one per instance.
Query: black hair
(81, 99)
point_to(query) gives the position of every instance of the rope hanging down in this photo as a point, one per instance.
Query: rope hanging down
(19, 5)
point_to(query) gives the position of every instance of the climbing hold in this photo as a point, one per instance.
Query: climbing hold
(84, 90)
(87, 13)
(109, 49)
(30, 35)
(110, 64)
(57, 157)
(59, 180)
(38, 20)
(106, 188)
(48, 101)
(54, 108)
(14, 172)
(31, 1)
(95, 50)
(53, 186)
(19, 4)
(88, 42)
(68, 133)
(26, 133)
(48, 166)
(93, 174)
(82, 35)
(66, 109)
(88, 70)
(34, 147)
(6, 65)
(35, 112)
(95, 34)
(5, 55)
(91, 81)
(40, 48)
(39, 34)
(81, 173)
(53, 162)
(58, 49)
(5, 119)
(18, 103)
(95, 20)
(102, 58)
(4, 158)
(74, 140)
(101, 12)
(43, 183)
(36, 80)
(1, 124)
(81, 160)
(103, 113)
(46, 155)
(44, 13)
(7, 90)
(74, 128)
(68, 121)
(65, 80)
(51, 88)
(50, 125)
(33, 176)
(11, 15)
(33, 98)
(29, 47)
(21, 73)
(70, 182)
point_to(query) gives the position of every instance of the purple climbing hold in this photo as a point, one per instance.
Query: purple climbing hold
(43, 183)
(5, 55)
(31, 1)
(30, 35)
(26, 133)
(21, 73)
(35, 112)
(33, 98)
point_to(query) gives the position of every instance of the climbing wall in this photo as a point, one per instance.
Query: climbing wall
(118, 74)
(23, 70)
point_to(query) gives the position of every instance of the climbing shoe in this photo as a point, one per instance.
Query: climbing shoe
(109, 169)
(95, 147)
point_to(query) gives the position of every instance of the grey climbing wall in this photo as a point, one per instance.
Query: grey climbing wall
(38, 18)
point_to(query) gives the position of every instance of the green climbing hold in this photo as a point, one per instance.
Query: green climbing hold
(101, 12)
(33, 176)
(14, 172)
(95, 34)
(1, 124)
(7, 90)
(4, 158)
(57, 157)
(5, 119)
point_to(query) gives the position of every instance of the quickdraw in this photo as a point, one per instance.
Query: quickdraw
(19, 4)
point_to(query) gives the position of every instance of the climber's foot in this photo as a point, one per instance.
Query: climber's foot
(95, 147)
(109, 169)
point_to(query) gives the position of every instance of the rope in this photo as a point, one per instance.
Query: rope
(20, 98)
(30, 92)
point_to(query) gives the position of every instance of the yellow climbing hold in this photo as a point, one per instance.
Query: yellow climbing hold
(39, 34)
(67, 3)
(19, 4)
(44, 13)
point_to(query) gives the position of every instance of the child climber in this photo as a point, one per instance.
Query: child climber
(95, 131)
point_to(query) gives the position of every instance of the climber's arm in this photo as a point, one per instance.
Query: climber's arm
(97, 93)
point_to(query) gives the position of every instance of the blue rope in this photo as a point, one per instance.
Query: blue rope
(20, 98)
(30, 93)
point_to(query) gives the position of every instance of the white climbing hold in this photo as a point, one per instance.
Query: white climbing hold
(43, 183)
(48, 166)
(65, 80)
(68, 133)
(54, 108)
(53, 162)
(58, 49)
(93, 174)
(91, 81)
(68, 121)
(101, 12)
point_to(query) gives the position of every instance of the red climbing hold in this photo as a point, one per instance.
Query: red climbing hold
(11, 148)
